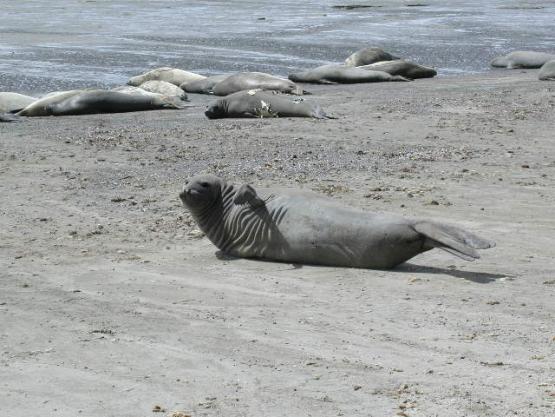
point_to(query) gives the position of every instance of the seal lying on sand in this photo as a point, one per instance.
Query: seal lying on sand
(302, 227)
(401, 67)
(343, 74)
(368, 56)
(256, 103)
(14, 102)
(165, 88)
(204, 86)
(253, 80)
(522, 59)
(547, 71)
(41, 107)
(101, 101)
(171, 75)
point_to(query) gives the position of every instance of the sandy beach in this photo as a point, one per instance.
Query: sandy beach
(112, 303)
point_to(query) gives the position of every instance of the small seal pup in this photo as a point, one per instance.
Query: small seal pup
(14, 102)
(547, 71)
(165, 88)
(401, 67)
(205, 86)
(522, 59)
(368, 56)
(302, 227)
(333, 73)
(171, 75)
(253, 80)
(256, 103)
(101, 101)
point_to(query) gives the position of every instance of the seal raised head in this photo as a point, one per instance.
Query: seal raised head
(302, 227)
(368, 56)
(547, 71)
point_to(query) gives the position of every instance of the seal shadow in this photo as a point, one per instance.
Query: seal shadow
(222, 256)
(478, 277)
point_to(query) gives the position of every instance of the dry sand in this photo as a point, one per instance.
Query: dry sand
(112, 304)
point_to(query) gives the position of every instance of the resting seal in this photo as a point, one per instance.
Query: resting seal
(343, 74)
(171, 75)
(14, 102)
(302, 227)
(401, 67)
(101, 101)
(256, 103)
(547, 71)
(368, 56)
(522, 59)
(165, 88)
(41, 107)
(8, 117)
(205, 86)
(253, 80)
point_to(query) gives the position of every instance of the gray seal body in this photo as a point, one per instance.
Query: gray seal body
(302, 227)
(101, 101)
(174, 76)
(254, 80)
(522, 59)
(404, 68)
(256, 103)
(547, 71)
(205, 86)
(14, 102)
(368, 56)
(333, 73)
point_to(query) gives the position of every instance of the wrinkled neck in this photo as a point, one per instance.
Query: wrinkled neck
(210, 217)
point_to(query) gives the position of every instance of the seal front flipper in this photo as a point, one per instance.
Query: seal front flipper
(247, 194)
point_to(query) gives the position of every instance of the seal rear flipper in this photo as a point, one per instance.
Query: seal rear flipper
(318, 113)
(451, 239)
(9, 117)
(400, 78)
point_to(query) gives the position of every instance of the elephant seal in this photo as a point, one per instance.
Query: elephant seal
(368, 56)
(254, 80)
(343, 74)
(129, 89)
(205, 86)
(165, 88)
(171, 75)
(256, 103)
(401, 67)
(41, 107)
(101, 101)
(547, 71)
(14, 102)
(302, 227)
(522, 59)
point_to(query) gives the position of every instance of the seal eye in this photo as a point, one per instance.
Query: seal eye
(205, 185)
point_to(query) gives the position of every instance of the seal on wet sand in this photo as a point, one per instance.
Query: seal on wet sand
(41, 107)
(368, 56)
(165, 88)
(547, 71)
(252, 80)
(204, 86)
(302, 227)
(333, 73)
(522, 59)
(171, 75)
(401, 67)
(256, 103)
(101, 101)
(14, 102)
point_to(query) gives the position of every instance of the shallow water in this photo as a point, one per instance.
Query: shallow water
(59, 44)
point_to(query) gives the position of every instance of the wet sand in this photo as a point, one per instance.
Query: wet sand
(112, 303)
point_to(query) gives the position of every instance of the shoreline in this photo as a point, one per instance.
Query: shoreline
(111, 302)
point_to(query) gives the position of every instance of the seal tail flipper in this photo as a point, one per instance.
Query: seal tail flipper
(318, 113)
(452, 239)
(9, 117)
(399, 78)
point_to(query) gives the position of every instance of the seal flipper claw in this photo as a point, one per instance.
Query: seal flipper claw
(247, 194)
